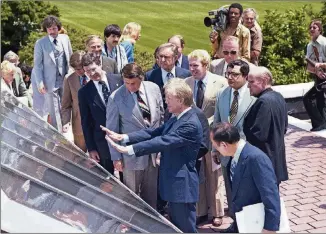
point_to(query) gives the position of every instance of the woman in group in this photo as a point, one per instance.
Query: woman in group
(130, 34)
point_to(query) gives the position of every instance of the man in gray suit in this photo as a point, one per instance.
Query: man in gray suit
(232, 105)
(134, 106)
(51, 64)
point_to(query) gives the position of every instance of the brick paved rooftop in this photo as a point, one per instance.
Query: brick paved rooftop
(305, 191)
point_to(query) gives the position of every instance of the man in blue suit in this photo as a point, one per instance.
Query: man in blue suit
(168, 54)
(251, 173)
(179, 141)
(92, 99)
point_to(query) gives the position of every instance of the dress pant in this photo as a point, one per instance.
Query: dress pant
(183, 216)
(79, 140)
(315, 104)
(53, 105)
(143, 182)
(228, 187)
(211, 197)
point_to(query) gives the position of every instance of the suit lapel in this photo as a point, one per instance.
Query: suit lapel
(130, 103)
(243, 107)
(225, 102)
(239, 170)
(65, 46)
(220, 68)
(209, 89)
(50, 49)
(97, 97)
(151, 103)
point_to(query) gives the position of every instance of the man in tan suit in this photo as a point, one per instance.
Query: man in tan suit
(205, 87)
(70, 109)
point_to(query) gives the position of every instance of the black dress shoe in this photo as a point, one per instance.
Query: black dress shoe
(201, 219)
(319, 128)
(232, 229)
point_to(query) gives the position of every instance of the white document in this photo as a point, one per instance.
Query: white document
(251, 219)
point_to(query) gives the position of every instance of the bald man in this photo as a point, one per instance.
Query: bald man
(267, 121)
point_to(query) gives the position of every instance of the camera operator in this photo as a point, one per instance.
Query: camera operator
(233, 28)
(249, 21)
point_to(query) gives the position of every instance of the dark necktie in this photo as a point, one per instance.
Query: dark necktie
(105, 91)
(200, 94)
(55, 41)
(144, 109)
(177, 63)
(234, 106)
(232, 168)
(84, 81)
(169, 75)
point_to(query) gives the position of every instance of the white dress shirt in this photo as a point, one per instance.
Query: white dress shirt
(179, 61)
(241, 91)
(99, 86)
(165, 73)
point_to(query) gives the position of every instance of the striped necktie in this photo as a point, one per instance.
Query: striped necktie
(105, 91)
(234, 106)
(232, 168)
(144, 109)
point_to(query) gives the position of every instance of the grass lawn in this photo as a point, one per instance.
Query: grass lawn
(159, 19)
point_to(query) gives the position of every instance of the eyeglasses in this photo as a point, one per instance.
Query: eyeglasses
(233, 52)
(233, 75)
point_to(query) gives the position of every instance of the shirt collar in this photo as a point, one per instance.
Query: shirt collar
(180, 60)
(52, 39)
(204, 80)
(164, 73)
(183, 112)
(241, 144)
(319, 39)
(141, 89)
(242, 90)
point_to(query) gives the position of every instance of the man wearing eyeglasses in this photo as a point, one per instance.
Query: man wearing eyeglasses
(92, 99)
(232, 105)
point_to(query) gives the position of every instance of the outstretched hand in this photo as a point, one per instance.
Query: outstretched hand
(113, 135)
(119, 148)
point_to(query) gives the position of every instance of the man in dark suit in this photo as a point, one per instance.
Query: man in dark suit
(179, 141)
(251, 174)
(267, 121)
(168, 54)
(92, 99)
(182, 60)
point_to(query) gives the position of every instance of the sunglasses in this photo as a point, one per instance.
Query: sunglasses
(233, 52)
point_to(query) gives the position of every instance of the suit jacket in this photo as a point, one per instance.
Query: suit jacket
(204, 146)
(254, 181)
(69, 103)
(265, 127)
(109, 65)
(45, 68)
(222, 112)
(179, 142)
(156, 77)
(214, 84)
(93, 113)
(185, 62)
(124, 116)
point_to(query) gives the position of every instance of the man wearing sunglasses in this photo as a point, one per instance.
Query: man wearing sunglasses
(232, 105)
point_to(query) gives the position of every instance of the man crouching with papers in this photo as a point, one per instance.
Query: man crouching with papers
(252, 176)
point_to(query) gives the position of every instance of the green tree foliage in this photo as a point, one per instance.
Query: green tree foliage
(285, 40)
(19, 19)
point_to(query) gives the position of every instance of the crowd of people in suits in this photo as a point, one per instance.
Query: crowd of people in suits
(176, 132)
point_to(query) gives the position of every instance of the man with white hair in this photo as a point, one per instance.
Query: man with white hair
(11, 84)
(249, 20)
(267, 121)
